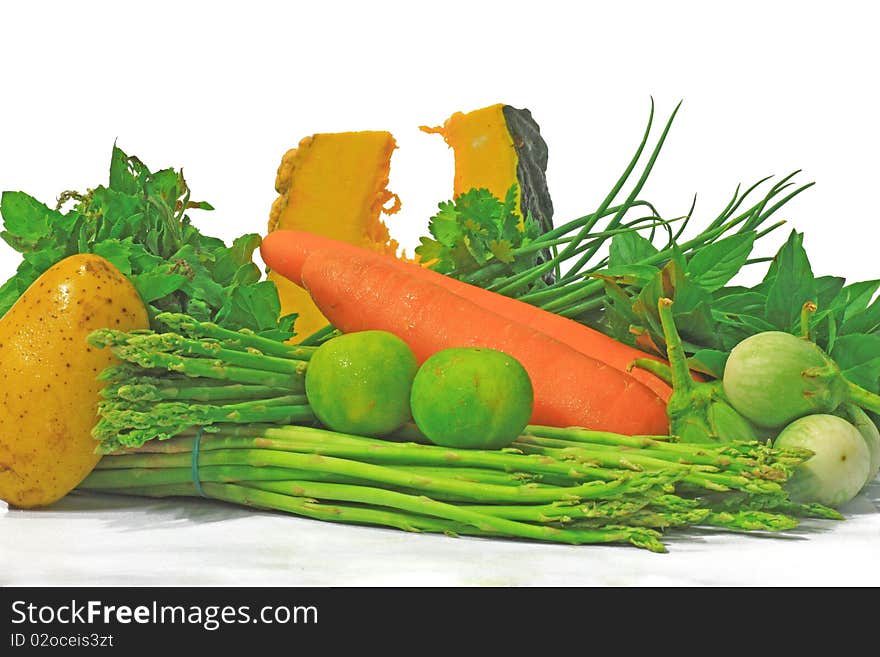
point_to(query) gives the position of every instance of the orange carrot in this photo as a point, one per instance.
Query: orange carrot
(285, 252)
(357, 293)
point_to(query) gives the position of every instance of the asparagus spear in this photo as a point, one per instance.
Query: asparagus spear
(244, 339)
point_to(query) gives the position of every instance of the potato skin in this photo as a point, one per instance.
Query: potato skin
(48, 388)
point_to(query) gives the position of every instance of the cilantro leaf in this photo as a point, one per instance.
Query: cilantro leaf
(479, 232)
(502, 250)
(444, 225)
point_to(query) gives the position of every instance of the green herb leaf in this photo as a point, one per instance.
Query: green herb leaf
(693, 306)
(828, 289)
(254, 307)
(859, 358)
(126, 174)
(744, 303)
(713, 266)
(502, 250)
(628, 274)
(117, 252)
(478, 229)
(444, 225)
(857, 296)
(9, 294)
(157, 283)
(228, 262)
(709, 361)
(628, 248)
(866, 321)
(26, 220)
(791, 285)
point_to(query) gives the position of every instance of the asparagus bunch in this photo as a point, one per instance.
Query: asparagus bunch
(588, 487)
(196, 374)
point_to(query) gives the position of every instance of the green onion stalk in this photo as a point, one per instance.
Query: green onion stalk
(577, 245)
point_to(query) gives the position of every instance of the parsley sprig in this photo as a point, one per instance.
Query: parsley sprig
(477, 228)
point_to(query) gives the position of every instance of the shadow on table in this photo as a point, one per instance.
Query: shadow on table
(160, 512)
(866, 502)
(172, 512)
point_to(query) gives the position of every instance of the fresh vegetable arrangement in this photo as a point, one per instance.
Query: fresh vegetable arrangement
(599, 381)
(542, 481)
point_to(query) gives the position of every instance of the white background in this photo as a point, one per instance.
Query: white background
(223, 89)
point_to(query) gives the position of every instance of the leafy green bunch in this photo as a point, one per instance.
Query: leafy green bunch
(714, 316)
(138, 222)
(478, 228)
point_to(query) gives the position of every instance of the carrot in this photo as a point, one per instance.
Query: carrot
(285, 251)
(357, 292)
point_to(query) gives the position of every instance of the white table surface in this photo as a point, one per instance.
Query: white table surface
(120, 541)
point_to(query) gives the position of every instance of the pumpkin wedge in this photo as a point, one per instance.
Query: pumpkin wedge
(495, 148)
(333, 184)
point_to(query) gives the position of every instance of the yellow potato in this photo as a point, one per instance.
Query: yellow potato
(48, 390)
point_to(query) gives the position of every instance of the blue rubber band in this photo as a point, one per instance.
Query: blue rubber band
(195, 462)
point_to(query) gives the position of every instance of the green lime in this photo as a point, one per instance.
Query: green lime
(360, 382)
(472, 397)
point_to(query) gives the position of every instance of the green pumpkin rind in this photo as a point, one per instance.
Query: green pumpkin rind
(531, 166)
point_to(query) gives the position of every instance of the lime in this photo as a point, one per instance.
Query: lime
(360, 382)
(472, 397)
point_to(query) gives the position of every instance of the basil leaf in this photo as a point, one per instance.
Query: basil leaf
(828, 290)
(792, 286)
(867, 321)
(747, 303)
(709, 361)
(713, 266)
(629, 248)
(859, 358)
(692, 309)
